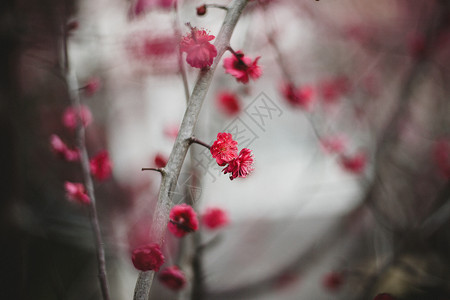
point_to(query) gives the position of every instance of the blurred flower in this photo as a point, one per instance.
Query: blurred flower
(214, 218)
(92, 86)
(228, 103)
(301, 96)
(441, 156)
(200, 52)
(183, 220)
(333, 281)
(201, 10)
(333, 144)
(173, 278)
(61, 149)
(242, 67)
(332, 89)
(148, 257)
(354, 164)
(160, 160)
(241, 166)
(142, 6)
(224, 149)
(101, 166)
(69, 118)
(76, 192)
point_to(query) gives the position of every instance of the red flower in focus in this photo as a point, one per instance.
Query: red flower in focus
(242, 67)
(441, 156)
(92, 86)
(333, 281)
(173, 278)
(384, 296)
(228, 103)
(299, 97)
(224, 149)
(61, 149)
(160, 160)
(200, 52)
(69, 118)
(183, 220)
(214, 218)
(101, 166)
(333, 144)
(76, 192)
(148, 257)
(354, 164)
(241, 166)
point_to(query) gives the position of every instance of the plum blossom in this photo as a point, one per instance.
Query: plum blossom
(76, 192)
(148, 257)
(183, 220)
(101, 166)
(241, 166)
(69, 117)
(228, 103)
(333, 281)
(298, 96)
(224, 149)
(214, 218)
(242, 67)
(62, 150)
(354, 163)
(160, 160)
(200, 52)
(173, 278)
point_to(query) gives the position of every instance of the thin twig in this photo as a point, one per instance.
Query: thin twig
(72, 85)
(194, 140)
(179, 151)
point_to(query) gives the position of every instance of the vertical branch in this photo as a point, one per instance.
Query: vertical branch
(73, 87)
(182, 141)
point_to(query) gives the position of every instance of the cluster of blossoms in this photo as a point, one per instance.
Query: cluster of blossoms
(100, 165)
(149, 257)
(225, 151)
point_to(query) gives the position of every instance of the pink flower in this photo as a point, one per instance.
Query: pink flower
(224, 149)
(173, 278)
(143, 6)
(298, 97)
(61, 149)
(148, 257)
(214, 218)
(69, 118)
(160, 160)
(101, 166)
(241, 166)
(228, 103)
(92, 86)
(171, 131)
(441, 156)
(76, 192)
(242, 67)
(384, 296)
(201, 10)
(183, 220)
(333, 281)
(333, 144)
(354, 164)
(200, 52)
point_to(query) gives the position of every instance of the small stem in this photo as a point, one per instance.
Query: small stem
(160, 170)
(194, 140)
(237, 55)
(217, 6)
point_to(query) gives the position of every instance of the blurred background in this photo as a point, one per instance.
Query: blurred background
(348, 125)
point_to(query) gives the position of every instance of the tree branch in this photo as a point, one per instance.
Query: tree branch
(182, 142)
